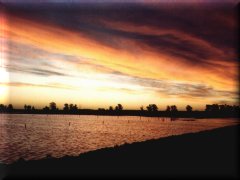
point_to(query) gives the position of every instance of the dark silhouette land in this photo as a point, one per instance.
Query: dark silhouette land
(211, 111)
(211, 153)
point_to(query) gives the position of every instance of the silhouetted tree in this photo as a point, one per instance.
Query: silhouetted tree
(212, 108)
(25, 107)
(46, 109)
(215, 107)
(33, 108)
(229, 108)
(119, 107)
(208, 107)
(53, 106)
(168, 109)
(71, 107)
(3, 108)
(152, 108)
(75, 108)
(149, 108)
(142, 108)
(226, 108)
(10, 107)
(174, 108)
(66, 107)
(110, 108)
(189, 108)
(29, 108)
(236, 108)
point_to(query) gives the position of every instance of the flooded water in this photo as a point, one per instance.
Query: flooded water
(36, 136)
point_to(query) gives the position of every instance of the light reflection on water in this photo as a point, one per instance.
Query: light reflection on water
(60, 135)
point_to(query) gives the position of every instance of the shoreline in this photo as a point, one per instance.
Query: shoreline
(178, 114)
(211, 153)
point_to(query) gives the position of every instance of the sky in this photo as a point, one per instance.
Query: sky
(99, 54)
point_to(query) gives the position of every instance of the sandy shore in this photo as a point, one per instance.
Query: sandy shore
(206, 154)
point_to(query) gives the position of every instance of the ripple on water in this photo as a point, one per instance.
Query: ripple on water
(52, 135)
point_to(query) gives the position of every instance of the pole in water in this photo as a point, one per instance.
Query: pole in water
(103, 122)
(69, 123)
(25, 126)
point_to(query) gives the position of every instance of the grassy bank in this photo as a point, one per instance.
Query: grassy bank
(206, 154)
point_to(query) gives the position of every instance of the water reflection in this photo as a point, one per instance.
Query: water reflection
(36, 136)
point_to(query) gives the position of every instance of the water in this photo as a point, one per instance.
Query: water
(36, 136)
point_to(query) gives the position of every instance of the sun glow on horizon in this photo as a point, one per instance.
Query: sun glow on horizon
(4, 78)
(4, 74)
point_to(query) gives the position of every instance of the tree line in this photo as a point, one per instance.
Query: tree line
(150, 108)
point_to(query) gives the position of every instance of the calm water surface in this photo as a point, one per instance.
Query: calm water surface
(36, 136)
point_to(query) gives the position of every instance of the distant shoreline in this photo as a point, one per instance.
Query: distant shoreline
(208, 153)
(144, 113)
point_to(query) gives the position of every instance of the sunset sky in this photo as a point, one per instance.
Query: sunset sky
(101, 54)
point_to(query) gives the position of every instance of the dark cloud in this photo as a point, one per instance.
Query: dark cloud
(34, 71)
(125, 90)
(32, 60)
(213, 23)
(197, 91)
(49, 85)
(170, 88)
(44, 72)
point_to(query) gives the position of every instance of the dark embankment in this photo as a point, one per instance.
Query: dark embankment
(206, 154)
